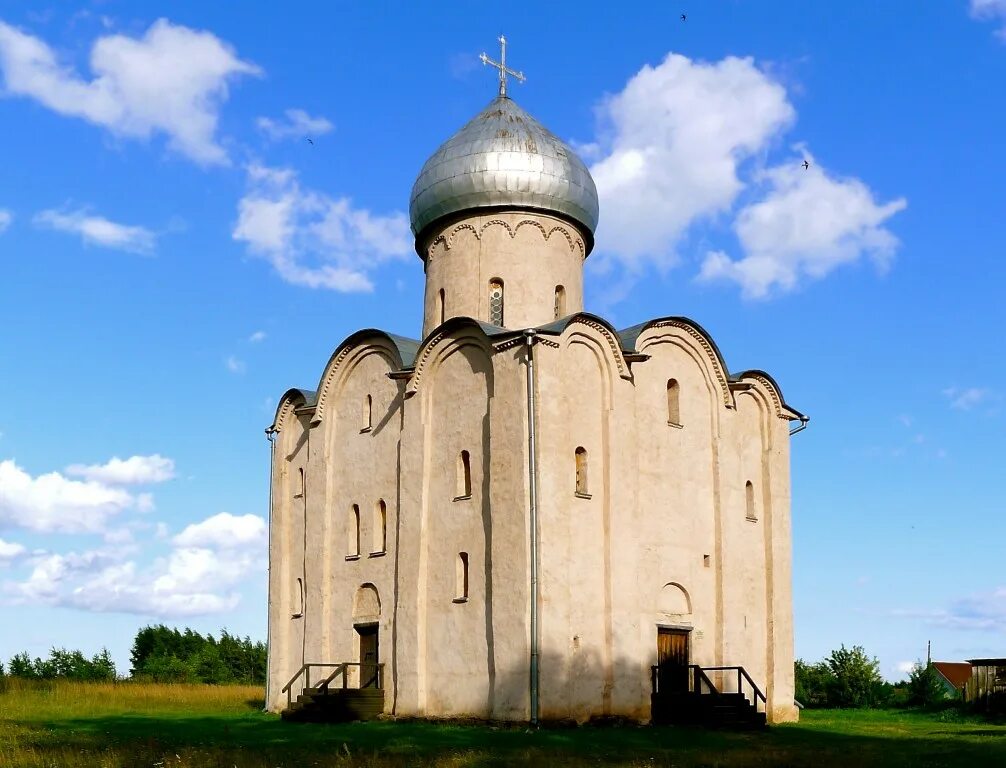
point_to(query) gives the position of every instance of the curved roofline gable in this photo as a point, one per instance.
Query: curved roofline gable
(782, 410)
(288, 404)
(449, 330)
(560, 326)
(402, 351)
(698, 334)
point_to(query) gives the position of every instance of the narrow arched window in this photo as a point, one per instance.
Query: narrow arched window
(464, 478)
(301, 484)
(581, 471)
(354, 531)
(441, 306)
(749, 500)
(368, 414)
(461, 578)
(673, 403)
(380, 526)
(298, 599)
(496, 302)
(560, 302)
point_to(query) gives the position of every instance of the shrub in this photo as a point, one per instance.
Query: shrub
(924, 686)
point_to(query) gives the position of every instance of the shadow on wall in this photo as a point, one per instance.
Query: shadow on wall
(576, 687)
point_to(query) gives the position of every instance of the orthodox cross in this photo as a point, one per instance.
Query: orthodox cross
(502, 67)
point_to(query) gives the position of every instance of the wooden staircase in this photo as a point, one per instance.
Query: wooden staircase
(695, 700)
(333, 700)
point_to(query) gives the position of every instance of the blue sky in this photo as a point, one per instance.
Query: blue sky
(175, 255)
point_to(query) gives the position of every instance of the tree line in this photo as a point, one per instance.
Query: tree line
(848, 677)
(159, 654)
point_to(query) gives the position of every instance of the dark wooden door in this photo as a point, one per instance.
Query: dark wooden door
(368, 655)
(672, 659)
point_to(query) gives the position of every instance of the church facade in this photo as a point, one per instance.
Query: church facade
(519, 514)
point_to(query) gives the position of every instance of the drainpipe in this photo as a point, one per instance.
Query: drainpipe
(270, 434)
(532, 465)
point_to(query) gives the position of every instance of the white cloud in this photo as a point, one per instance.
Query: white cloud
(966, 398)
(315, 240)
(256, 337)
(678, 145)
(10, 551)
(981, 612)
(171, 81)
(904, 667)
(671, 143)
(994, 10)
(202, 574)
(807, 224)
(234, 365)
(224, 531)
(6, 217)
(136, 470)
(298, 125)
(98, 230)
(54, 503)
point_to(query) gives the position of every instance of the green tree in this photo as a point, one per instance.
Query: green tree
(856, 678)
(813, 682)
(924, 686)
(21, 666)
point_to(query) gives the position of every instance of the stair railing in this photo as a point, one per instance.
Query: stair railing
(698, 678)
(742, 675)
(342, 668)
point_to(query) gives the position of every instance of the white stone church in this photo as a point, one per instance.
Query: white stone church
(527, 514)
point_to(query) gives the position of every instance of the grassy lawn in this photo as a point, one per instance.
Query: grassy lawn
(164, 726)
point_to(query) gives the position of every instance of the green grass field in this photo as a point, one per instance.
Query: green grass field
(53, 725)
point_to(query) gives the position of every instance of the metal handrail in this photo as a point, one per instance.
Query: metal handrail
(340, 667)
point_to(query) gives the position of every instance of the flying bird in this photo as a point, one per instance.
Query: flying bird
(310, 141)
(684, 17)
(806, 165)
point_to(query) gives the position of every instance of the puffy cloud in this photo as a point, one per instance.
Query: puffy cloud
(55, 503)
(136, 470)
(677, 147)
(256, 337)
(170, 81)
(234, 365)
(10, 551)
(671, 143)
(224, 531)
(905, 667)
(312, 239)
(98, 230)
(806, 225)
(202, 574)
(298, 125)
(994, 10)
(6, 217)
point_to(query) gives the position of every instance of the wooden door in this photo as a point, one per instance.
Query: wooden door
(368, 655)
(672, 659)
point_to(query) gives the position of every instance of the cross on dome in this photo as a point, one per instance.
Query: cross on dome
(502, 67)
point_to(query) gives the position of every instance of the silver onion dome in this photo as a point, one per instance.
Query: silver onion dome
(503, 158)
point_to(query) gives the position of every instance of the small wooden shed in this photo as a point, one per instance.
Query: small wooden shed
(986, 688)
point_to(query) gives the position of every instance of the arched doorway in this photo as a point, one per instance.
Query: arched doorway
(366, 623)
(673, 638)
